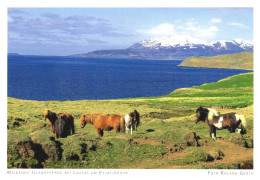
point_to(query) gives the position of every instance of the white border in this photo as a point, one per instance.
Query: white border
(171, 174)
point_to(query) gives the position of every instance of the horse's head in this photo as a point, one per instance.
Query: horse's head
(45, 114)
(201, 114)
(52, 116)
(83, 121)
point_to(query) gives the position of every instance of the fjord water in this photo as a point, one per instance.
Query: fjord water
(68, 78)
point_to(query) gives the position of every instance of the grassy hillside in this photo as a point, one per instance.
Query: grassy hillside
(243, 60)
(167, 137)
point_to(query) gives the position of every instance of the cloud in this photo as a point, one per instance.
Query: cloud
(195, 29)
(15, 11)
(10, 19)
(162, 29)
(55, 29)
(206, 32)
(237, 25)
(215, 20)
(191, 27)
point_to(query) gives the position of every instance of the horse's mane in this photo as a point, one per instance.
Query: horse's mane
(52, 116)
(92, 117)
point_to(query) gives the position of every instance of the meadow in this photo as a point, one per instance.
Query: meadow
(242, 60)
(167, 138)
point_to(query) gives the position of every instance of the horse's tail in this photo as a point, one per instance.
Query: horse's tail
(243, 124)
(122, 124)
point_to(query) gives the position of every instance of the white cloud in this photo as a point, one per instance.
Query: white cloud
(216, 20)
(162, 29)
(206, 32)
(10, 19)
(191, 27)
(237, 25)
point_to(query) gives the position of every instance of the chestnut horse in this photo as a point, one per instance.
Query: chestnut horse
(103, 123)
(132, 121)
(52, 116)
(216, 121)
(70, 121)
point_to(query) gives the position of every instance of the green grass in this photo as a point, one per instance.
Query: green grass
(166, 120)
(243, 60)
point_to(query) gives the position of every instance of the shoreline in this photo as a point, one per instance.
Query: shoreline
(136, 99)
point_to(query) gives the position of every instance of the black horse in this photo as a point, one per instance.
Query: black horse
(62, 129)
(216, 121)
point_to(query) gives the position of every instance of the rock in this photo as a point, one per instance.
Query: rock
(238, 139)
(25, 149)
(192, 139)
(217, 154)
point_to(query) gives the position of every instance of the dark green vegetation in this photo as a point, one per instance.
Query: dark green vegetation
(167, 137)
(243, 60)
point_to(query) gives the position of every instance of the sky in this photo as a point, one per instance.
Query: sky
(67, 31)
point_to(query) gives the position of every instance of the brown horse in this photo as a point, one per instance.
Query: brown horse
(69, 120)
(52, 116)
(216, 121)
(103, 123)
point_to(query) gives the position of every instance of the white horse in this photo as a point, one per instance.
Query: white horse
(132, 120)
(129, 121)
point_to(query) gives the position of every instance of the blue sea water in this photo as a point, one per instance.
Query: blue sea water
(68, 78)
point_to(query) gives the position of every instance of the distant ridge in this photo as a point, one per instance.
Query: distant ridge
(243, 60)
(174, 47)
(13, 54)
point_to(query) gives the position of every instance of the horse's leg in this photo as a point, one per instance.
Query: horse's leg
(73, 128)
(98, 132)
(232, 130)
(212, 132)
(132, 129)
(215, 133)
(126, 129)
(102, 133)
(53, 130)
(237, 130)
(117, 128)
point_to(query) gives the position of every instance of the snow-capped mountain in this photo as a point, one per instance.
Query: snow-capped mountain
(175, 47)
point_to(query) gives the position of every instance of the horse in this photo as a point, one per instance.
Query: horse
(88, 117)
(103, 123)
(70, 121)
(52, 116)
(61, 128)
(132, 121)
(215, 121)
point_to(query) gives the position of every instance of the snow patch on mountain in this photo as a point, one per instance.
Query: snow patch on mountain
(179, 41)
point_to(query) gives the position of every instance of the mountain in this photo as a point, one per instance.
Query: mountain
(174, 47)
(243, 60)
(13, 54)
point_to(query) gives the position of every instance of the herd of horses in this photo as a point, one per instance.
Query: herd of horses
(63, 124)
